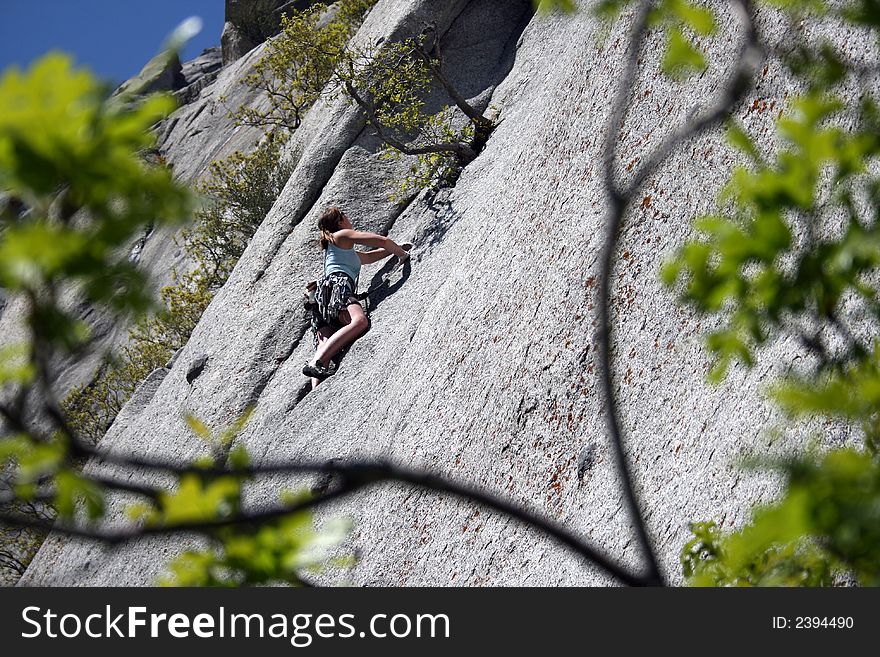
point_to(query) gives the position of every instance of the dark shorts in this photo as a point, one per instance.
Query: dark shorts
(334, 294)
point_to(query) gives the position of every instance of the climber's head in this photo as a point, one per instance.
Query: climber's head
(331, 220)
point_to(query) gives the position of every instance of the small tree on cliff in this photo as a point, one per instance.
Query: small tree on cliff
(391, 82)
(300, 61)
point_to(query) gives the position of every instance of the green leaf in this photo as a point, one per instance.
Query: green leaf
(198, 427)
(239, 457)
(15, 364)
(546, 6)
(864, 12)
(738, 138)
(681, 59)
(608, 10)
(71, 489)
(825, 522)
(195, 500)
(699, 19)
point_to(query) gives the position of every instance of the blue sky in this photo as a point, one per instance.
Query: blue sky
(114, 38)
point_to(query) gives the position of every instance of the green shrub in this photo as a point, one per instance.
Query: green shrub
(300, 61)
(240, 192)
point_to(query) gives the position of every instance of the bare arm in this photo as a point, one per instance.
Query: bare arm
(369, 257)
(347, 238)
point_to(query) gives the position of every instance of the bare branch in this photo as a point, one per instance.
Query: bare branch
(621, 197)
(355, 475)
(428, 49)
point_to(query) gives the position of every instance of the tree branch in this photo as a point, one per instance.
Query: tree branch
(428, 49)
(355, 475)
(620, 198)
(464, 152)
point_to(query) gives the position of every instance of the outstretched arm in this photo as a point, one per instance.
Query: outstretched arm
(381, 242)
(369, 257)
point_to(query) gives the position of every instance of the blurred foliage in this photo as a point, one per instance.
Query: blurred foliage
(792, 253)
(566, 6)
(239, 193)
(850, 393)
(72, 161)
(275, 551)
(826, 523)
(742, 269)
(77, 192)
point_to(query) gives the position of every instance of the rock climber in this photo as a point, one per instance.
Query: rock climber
(337, 316)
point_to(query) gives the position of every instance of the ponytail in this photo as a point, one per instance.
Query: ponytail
(328, 223)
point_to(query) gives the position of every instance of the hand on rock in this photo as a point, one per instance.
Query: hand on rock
(406, 247)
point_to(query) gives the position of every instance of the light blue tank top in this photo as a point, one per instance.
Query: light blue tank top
(344, 260)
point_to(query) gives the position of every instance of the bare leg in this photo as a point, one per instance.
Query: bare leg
(324, 334)
(354, 328)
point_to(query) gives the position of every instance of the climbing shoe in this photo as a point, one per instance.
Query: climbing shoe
(318, 370)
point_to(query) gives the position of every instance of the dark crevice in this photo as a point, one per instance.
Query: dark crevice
(166, 132)
(304, 390)
(195, 115)
(262, 384)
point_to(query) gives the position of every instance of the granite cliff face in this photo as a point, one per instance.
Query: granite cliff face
(480, 362)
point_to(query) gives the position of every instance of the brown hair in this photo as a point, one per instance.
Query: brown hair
(328, 223)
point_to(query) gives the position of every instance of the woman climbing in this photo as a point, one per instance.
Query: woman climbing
(337, 317)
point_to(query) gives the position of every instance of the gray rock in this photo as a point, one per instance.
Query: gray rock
(199, 73)
(139, 399)
(234, 43)
(479, 365)
(173, 359)
(209, 61)
(159, 74)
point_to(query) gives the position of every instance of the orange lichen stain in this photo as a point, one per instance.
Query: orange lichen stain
(760, 106)
(646, 202)
(555, 484)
